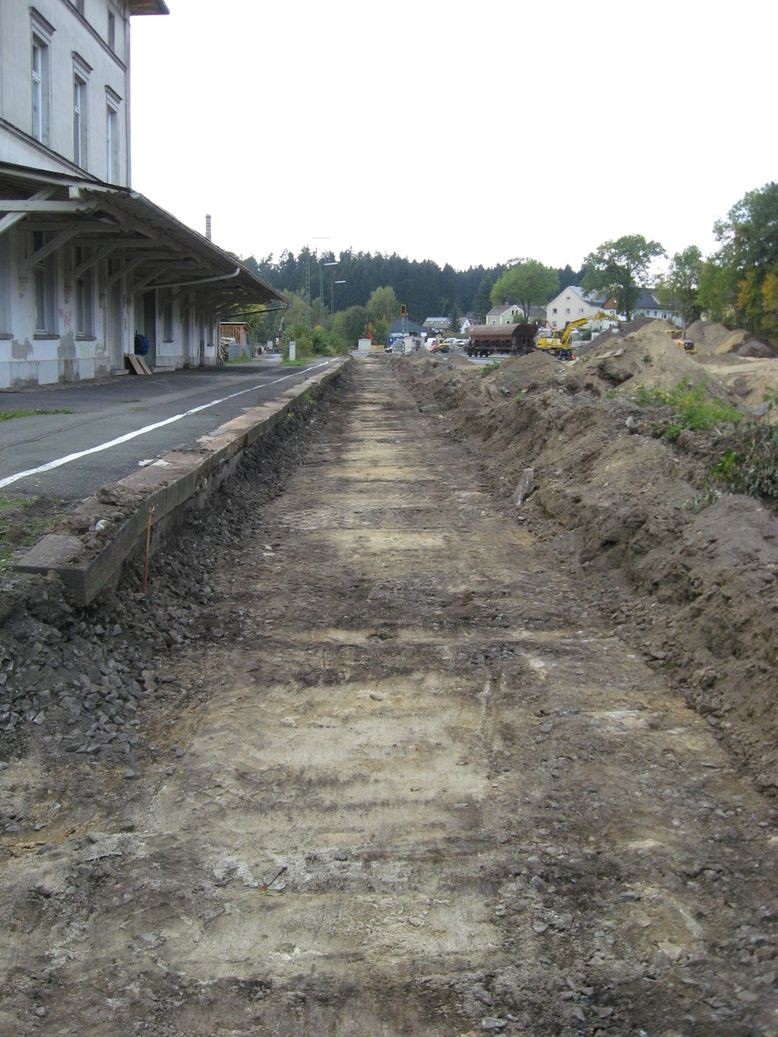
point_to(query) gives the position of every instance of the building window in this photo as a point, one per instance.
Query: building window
(5, 286)
(79, 120)
(44, 276)
(40, 89)
(112, 143)
(554, 310)
(84, 294)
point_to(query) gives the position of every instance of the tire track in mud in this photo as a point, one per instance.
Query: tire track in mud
(427, 793)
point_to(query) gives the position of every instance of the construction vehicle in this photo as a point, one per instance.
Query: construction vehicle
(559, 344)
(686, 344)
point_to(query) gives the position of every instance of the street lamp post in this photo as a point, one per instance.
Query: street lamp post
(330, 262)
(332, 294)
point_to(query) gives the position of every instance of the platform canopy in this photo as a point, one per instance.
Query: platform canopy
(148, 7)
(122, 225)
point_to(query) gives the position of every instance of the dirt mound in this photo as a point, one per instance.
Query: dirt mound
(714, 339)
(754, 348)
(708, 336)
(688, 573)
(612, 334)
(749, 381)
(456, 360)
(646, 357)
(527, 373)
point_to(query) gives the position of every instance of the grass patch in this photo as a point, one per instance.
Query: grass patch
(14, 504)
(694, 408)
(488, 368)
(9, 415)
(299, 362)
(24, 520)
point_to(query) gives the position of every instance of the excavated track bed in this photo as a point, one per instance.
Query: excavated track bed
(420, 789)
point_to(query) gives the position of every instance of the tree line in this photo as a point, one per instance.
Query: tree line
(424, 287)
(336, 299)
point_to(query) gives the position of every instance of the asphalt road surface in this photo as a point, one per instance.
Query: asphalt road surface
(114, 427)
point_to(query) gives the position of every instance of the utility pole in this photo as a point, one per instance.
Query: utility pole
(308, 286)
(332, 262)
(317, 237)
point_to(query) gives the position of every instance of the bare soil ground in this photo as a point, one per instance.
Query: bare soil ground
(410, 780)
(684, 570)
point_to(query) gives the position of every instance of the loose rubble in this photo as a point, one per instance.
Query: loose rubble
(76, 680)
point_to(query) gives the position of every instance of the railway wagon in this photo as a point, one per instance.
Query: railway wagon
(487, 339)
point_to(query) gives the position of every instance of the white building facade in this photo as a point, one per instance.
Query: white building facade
(573, 304)
(64, 85)
(90, 270)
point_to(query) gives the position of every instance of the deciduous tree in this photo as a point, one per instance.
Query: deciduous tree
(620, 268)
(382, 304)
(748, 260)
(350, 325)
(680, 289)
(528, 282)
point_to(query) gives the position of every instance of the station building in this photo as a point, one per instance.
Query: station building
(89, 268)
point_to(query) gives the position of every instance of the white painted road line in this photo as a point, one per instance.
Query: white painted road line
(60, 461)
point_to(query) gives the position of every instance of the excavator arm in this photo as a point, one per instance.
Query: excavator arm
(559, 343)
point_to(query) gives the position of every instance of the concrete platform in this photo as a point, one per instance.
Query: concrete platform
(116, 520)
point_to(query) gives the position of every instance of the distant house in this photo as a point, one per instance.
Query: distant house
(573, 303)
(403, 326)
(649, 306)
(466, 323)
(437, 324)
(537, 313)
(507, 313)
(406, 326)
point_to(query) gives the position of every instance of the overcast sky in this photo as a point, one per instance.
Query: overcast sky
(464, 133)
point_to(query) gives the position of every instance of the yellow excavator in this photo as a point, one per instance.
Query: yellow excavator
(682, 342)
(559, 344)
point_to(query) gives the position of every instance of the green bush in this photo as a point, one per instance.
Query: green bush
(753, 467)
(694, 407)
